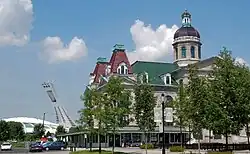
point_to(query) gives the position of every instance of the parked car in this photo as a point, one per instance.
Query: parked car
(6, 146)
(36, 147)
(57, 145)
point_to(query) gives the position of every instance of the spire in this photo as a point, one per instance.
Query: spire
(186, 19)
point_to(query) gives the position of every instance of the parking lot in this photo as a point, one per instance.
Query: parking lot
(22, 151)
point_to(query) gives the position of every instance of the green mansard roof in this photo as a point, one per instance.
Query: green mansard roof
(154, 70)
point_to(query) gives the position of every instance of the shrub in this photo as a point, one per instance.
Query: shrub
(149, 146)
(176, 149)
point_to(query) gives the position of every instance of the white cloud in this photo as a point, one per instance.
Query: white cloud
(151, 44)
(16, 18)
(56, 51)
(241, 61)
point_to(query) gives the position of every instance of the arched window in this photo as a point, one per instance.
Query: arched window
(199, 52)
(192, 52)
(183, 52)
(176, 54)
(122, 69)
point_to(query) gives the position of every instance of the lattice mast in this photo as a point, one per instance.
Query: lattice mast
(62, 116)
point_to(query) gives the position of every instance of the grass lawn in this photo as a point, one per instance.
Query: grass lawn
(94, 152)
(18, 144)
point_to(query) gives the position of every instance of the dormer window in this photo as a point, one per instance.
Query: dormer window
(167, 79)
(108, 69)
(122, 69)
(143, 77)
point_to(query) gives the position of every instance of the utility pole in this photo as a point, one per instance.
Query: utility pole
(43, 119)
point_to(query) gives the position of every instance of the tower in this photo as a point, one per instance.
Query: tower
(62, 116)
(187, 45)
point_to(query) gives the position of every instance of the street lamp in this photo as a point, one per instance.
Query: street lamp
(164, 99)
(43, 122)
(163, 119)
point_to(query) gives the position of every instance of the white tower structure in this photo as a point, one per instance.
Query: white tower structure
(62, 117)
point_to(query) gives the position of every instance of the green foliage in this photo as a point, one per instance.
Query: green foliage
(198, 98)
(90, 98)
(143, 107)
(39, 130)
(48, 134)
(149, 146)
(60, 130)
(30, 137)
(74, 129)
(18, 144)
(16, 130)
(4, 131)
(229, 93)
(181, 107)
(117, 105)
(176, 149)
(116, 101)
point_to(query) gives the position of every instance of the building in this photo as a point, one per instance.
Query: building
(162, 76)
(29, 123)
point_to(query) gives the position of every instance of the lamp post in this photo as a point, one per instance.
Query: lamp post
(43, 121)
(163, 119)
(165, 99)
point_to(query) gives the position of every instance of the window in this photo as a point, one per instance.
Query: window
(167, 79)
(176, 53)
(199, 52)
(183, 52)
(136, 137)
(192, 52)
(154, 137)
(122, 69)
(145, 77)
(217, 136)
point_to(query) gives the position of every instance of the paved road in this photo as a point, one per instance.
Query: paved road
(25, 151)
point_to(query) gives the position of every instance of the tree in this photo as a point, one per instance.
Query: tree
(243, 94)
(143, 109)
(16, 130)
(60, 130)
(228, 83)
(181, 107)
(39, 130)
(87, 114)
(100, 118)
(197, 100)
(117, 106)
(48, 134)
(4, 131)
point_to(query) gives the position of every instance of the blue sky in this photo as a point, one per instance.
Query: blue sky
(100, 24)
